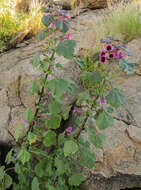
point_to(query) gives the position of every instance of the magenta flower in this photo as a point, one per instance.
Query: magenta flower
(102, 59)
(102, 53)
(68, 37)
(62, 18)
(120, 55)
(103, 100)
(53, 24)
(68, 16)
(69, 129)
(44, 14)
(49, 92)
(111, 55)
(109, 47)
(76, 110)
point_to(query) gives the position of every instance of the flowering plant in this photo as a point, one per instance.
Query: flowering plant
(52, 152)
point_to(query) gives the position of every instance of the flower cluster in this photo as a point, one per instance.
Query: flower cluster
(110, 53)
(62, 17)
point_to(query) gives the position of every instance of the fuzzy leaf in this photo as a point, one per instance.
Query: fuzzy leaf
(60, 166)
(47, 20)
(76, 179)
(115, 97)
(7, 181)
(54, 122)
(70, 147)
(62, 25)
(35, 61)
(126, 66)
(50, 138)
(92, 77)
(87, 157)
(2, 172)
(54, 107)
(29, 114)
(35, 184)
(34, 88)
(24, 156)
(95, 138)
(66, 48)
(41, 35)
(104, 120)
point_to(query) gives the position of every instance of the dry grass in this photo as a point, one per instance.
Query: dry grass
(12, 22)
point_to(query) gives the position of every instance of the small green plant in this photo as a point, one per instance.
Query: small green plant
(50, 155)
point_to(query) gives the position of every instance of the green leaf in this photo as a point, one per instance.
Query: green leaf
(60, 166)
(95, 138)
(115, 98)
(51, 187)
(41, 35)
(59, 86)
(66, 48)
(110, 109)
(50, 138)
(61, 139)
(31, 138)
(9, 157)
(92, 77)
(35, 184)
(37, 151)
(104, 120)
(62, 25)
(54, 107)
(36, 61)
(7, 181)
(2, 172)
(17, 133)
(29, 114)
(47, 20)
(84, 96)
(70, 147)
(34, 88)
(87, 158)
(76, 179)
(59, 66)
(39, 170)
(54, 122)
(65, 113)
(127, 66)
(24, 156)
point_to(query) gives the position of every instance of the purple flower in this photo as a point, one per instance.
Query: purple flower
(109, 47)
(49, 92)
(69, 129)
(120, 55)
(75, 110)
(103, 100)
(102, 59)
(68, 16)
(102, 53)
(111, 55)
(53, 24)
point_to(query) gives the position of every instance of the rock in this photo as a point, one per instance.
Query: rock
(18, 39)
(91, 4)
